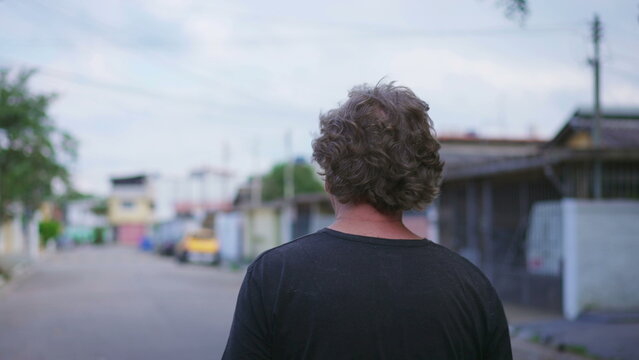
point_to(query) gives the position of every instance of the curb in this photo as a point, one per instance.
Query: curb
(526, 350)
(13, 272)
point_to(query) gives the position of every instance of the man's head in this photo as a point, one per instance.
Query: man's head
(379, 148)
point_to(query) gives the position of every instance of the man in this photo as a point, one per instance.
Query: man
(366, 287)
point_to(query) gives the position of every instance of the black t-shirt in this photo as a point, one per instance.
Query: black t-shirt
(331, 295)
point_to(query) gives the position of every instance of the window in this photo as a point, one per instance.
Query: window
(127, 204)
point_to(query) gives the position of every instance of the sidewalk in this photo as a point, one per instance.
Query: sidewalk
(12, 266)
(545, 335)
(526, 350)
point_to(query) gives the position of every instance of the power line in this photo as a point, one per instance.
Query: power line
(140, 43)
(376, 31)
(110, 33)
(161, 98)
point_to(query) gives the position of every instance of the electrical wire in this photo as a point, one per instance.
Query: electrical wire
(110, 34)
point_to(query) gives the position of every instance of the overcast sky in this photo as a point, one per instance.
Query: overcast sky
(167, 85)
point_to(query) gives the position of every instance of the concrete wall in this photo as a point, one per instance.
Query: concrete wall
(228, 229)
(17, 237)
(601, 256)
(262, 231)
(12, 238)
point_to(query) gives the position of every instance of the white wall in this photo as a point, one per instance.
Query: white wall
(228, 229)
(79, 213)
(544, 248)
(601, 255)
(17, 238)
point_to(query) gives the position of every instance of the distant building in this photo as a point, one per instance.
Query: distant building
(462, 150)
(83, 224)
(130, 208)
(253, 227)
(502, 204)
(19, 235)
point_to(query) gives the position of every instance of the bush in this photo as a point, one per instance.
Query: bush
(49, 229)
(98, 235)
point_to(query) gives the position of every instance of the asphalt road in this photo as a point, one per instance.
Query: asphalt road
(116, 304)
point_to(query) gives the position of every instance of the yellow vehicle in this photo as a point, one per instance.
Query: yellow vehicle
(199, 246)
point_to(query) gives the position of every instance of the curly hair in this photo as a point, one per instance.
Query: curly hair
(379, 148)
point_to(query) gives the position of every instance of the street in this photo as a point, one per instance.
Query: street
(116, 303)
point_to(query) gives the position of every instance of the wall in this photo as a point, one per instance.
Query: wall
(601, 252)
(544, 248)
(17, 238)
(130, 234)
(228, 229)
(12, 239)
(139, 210)
(262, 230)
(79, 213)
(81, 221)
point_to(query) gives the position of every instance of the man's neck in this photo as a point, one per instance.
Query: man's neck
(365, 220)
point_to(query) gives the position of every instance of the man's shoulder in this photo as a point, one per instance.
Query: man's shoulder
(295, 249)
(461, 265)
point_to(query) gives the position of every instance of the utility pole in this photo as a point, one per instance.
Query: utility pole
(596, 116)
(289, 174)
(256, 182)
(199, 175)
(225, 172)
(288, 213)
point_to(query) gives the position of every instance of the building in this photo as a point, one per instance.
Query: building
(19, 235)
(130, 208)
(83, 224)
(253, 227)
(507, 213)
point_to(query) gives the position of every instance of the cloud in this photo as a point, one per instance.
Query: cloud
(245, 72)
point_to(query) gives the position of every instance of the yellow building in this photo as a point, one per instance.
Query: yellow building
(130, 208)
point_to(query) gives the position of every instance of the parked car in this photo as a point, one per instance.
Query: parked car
(167, 248)
(199, 246)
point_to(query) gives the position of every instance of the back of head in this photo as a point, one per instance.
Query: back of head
(379, 148)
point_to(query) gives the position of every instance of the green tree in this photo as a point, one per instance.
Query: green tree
(101, 208)
(305, 181)
(49, 229)
(34, 153)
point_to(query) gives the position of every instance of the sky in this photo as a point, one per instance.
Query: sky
(167, 86)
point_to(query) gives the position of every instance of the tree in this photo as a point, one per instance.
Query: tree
(101, 208)
(305, 181)
(34, 153)
(515, 8)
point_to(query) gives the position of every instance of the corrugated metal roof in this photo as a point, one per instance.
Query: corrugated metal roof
(619, 112)
(619, 132)
(619, 127)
